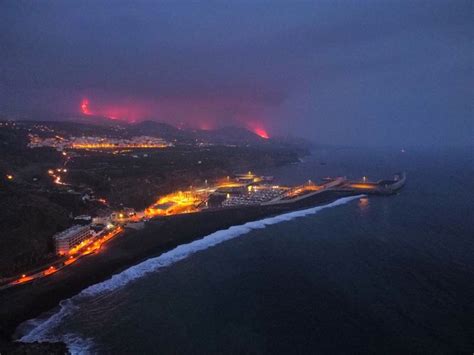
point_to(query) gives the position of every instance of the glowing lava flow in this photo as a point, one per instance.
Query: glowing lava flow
(261, 132)
(85, 107)
(257, 128)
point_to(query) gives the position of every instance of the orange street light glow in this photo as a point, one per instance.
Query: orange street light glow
(49, 271)
(362, 186)
(24, 278)
(107, 145)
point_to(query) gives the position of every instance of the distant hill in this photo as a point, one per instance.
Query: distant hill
(157, 129)
(230, 135)
(226, 135)
(96, 120)
(78, 125)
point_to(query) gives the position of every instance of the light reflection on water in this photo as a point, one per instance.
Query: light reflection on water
(363, 204)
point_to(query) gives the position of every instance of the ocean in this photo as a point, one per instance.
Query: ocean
(362, 275)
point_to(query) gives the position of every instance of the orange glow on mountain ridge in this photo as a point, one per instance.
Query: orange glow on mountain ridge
(85, 107)
(261, 132)
(136, 111)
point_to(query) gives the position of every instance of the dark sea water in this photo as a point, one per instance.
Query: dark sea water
(373, 275)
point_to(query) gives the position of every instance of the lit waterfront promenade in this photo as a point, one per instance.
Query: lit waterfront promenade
(248, 193)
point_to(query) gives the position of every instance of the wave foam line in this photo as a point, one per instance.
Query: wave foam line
(42, 331)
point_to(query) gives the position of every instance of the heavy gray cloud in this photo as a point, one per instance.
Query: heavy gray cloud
(350, 72)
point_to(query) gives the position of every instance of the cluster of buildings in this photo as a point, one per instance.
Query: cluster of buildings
(85, 238)
(254, 195)
(56, 142)
(111, 143)
(241, 190)
(92, 142)
(87, 229)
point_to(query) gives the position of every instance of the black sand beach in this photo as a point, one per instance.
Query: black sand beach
(28, 301)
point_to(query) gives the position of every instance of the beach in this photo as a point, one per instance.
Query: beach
(28, 301)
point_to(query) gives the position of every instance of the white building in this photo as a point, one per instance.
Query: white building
(69, 238)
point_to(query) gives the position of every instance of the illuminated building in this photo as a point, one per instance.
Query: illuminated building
(71, 237)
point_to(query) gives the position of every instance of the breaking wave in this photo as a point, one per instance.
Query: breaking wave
(42, 329)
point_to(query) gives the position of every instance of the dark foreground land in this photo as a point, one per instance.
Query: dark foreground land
(30, 300)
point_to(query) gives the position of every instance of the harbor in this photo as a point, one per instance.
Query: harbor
(241, 191)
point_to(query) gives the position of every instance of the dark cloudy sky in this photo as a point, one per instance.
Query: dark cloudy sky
(342, 72)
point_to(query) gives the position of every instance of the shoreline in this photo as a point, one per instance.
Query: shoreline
(160, 235)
